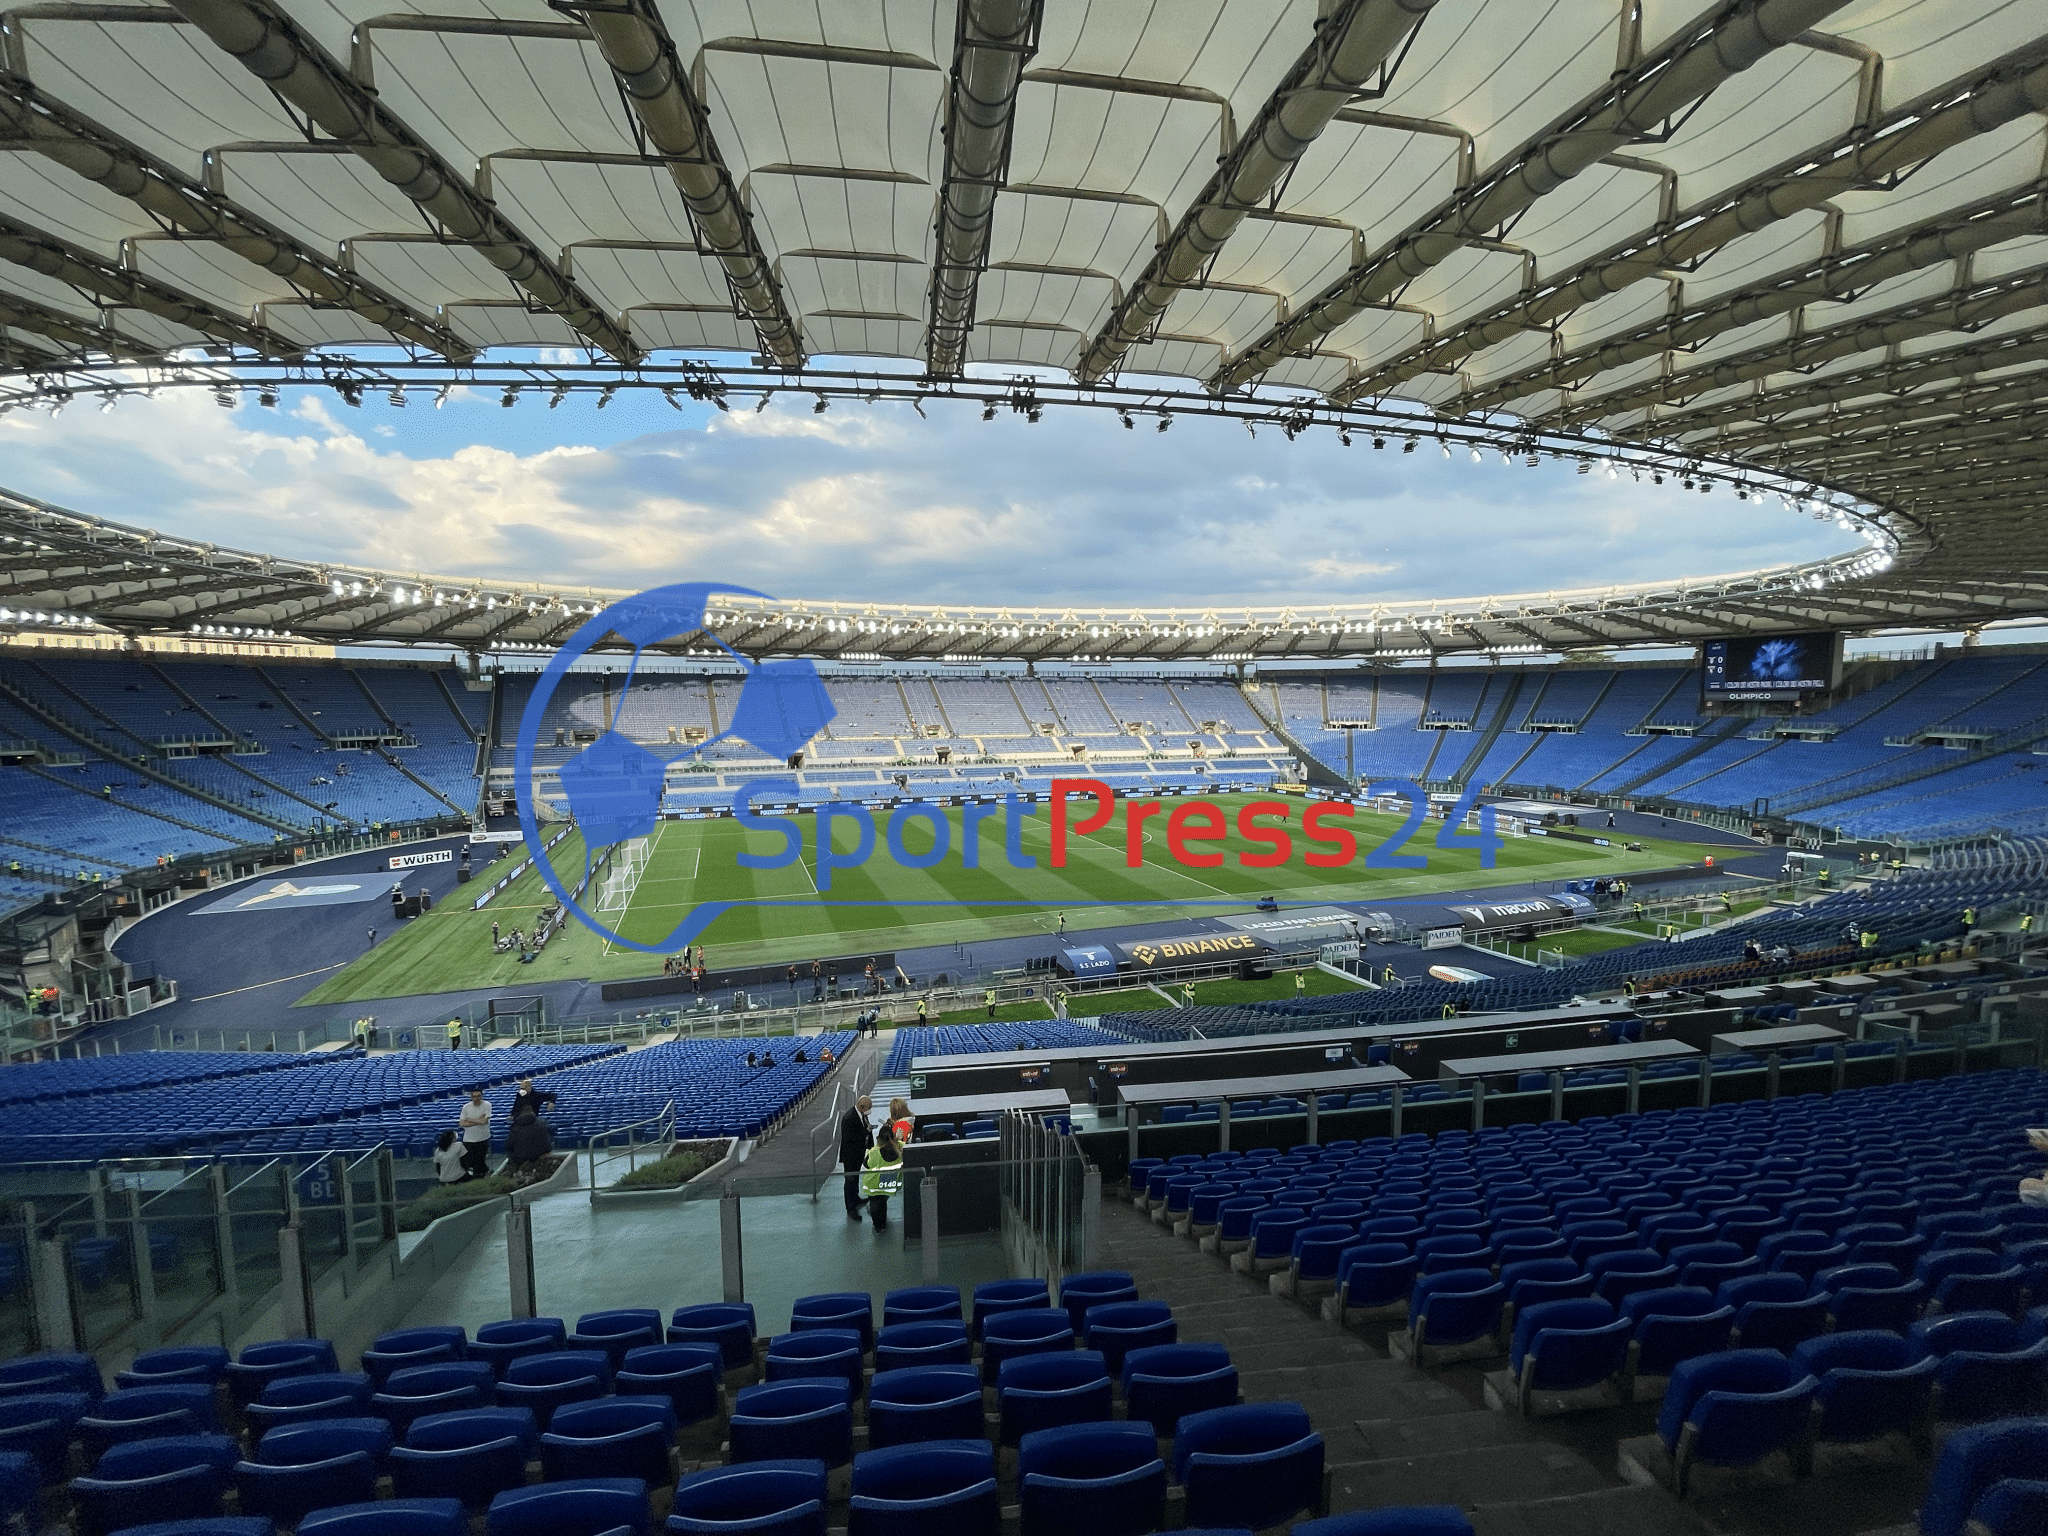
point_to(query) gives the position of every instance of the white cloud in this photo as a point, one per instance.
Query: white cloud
(869, 501)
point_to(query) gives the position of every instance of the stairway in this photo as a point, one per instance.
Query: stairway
(1318, 771)
(1700, 743)
(1392, 1434)
(1491, 734)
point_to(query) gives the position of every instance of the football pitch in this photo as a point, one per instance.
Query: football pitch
(780, 915)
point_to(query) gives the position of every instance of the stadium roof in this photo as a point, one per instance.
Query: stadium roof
(1803, 236)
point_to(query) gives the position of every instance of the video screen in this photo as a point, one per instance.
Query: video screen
(1769, 667)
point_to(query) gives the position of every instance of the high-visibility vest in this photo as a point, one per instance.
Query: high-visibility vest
(878, 1175)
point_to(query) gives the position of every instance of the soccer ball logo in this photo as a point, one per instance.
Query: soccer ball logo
(613, 787)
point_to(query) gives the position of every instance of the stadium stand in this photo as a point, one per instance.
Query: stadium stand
(172, 1102)
(112, 763)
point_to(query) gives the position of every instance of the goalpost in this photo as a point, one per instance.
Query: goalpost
(620, 881)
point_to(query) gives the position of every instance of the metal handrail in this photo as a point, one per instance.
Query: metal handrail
(831, 1119)
(601, 1148)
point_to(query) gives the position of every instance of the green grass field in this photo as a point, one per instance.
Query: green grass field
(884, 906)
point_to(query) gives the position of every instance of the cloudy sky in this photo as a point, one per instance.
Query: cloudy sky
(872, 501)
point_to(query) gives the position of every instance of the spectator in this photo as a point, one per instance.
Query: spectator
(899, 1119)
(751, 1060)
(529, 1099)
(530, 1139)
(475, 1121)
(800, 1056)
(767, 1061)
(880, 1172)
(2034, 1191)
(448, 1160)
(855, 1137)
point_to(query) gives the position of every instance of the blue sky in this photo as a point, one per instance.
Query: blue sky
(870, 501)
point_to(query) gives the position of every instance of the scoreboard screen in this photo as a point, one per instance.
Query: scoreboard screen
(1769, 668)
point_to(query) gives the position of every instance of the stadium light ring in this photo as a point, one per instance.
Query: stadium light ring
(1289, 413)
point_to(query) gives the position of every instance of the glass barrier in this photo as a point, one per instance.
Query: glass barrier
(128, 1254)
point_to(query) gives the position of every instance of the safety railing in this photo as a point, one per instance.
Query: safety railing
(847, 1087)
(120, 1256)
(1051, 1199)
(650, 1139)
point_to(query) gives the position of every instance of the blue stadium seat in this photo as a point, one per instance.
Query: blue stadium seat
(922, 1304)
(1458, 1307)
(498, 1344)
(599, 1506)
(413, 1346)
(1872, 1383)
(900, 1346)
(794, 1421)
(303, 1467)
(389, 1517)
(941, 1402)
(616, 1332)
(995, 1296)
(1973, 1462)
(1252, 1465)
(755, 1498)
(544, 1383)
(1036, 1392)
(1093, 1289)
(838, 1311)
(320, 1395)
(207, 1525)
(610, 1437)
(1733, 1409)
(1116, 1328)
(40, 1425)
(260, 1364)
(60, 1371)
(819, 1352)
(1566, 1346)
(471, 1456)
(176, 1477)
(1987, 1369)
(939, 1488)
(1163, 1383)
(446, 1386)
(1394, 1520)
(146, 1413)
(729, 1325)
(1031, 1331)
(1091, 1480)
(174, 1365)
(688, 1375)
(1673, 1325)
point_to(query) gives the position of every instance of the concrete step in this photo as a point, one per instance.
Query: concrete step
(1502, 1474)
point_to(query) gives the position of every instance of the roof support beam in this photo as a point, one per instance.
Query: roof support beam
(1884, 379)
(1641, 98)
(80, 336)
(1350, 44)
(636, 44)
(1837, 427)
(1861, 158)
(270, 45)
(1832, 279)
(113, 285)
(30, 117)
(992, 43)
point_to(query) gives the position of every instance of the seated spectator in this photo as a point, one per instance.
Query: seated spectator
(448, 1159)
(2034, 1191)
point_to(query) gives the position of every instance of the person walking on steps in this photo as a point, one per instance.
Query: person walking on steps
(880, 1174)
(855, 1137)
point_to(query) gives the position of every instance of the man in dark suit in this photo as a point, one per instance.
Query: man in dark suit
(855, 1137)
